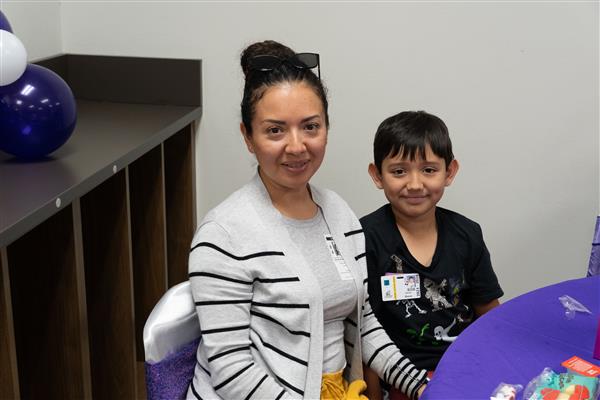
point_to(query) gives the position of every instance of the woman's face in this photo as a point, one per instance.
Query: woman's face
(289, 136)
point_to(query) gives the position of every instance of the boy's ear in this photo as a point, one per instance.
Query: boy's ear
(246, 138)
(451, 172)
(375, 175)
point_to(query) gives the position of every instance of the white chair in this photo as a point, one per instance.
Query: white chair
(171, 337)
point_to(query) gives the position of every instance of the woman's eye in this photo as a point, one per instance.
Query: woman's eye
(274, 130)
(312, 127)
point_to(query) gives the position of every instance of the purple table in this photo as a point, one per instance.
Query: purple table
(514, 342)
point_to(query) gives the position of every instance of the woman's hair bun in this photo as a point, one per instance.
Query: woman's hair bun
(267, 47)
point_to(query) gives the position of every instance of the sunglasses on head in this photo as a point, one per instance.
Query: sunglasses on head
(265, 63)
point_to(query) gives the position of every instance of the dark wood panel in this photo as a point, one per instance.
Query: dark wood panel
(81, 297)
(109, 288)
(125, 79)
(180, 185)
(57, 64)
(46, 314)
(136, 79)
(146, 196)
(141, 381)
(9, 382)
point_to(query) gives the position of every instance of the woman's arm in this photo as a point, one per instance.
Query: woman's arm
(222, 291)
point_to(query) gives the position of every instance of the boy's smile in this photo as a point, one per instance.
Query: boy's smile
(414, 187)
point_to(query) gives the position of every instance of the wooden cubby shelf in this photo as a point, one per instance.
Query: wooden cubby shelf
(93, 235)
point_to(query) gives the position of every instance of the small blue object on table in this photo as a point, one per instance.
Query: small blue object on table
(513, 343)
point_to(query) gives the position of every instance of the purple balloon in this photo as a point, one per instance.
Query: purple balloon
(4, 24)
(37, 113)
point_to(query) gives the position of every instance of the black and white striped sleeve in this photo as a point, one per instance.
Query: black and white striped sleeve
(222, 291)
(381, 354)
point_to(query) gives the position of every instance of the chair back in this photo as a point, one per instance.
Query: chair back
(171, 337)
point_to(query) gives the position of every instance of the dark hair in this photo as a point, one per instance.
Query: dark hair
(408, 134)
(257, 82)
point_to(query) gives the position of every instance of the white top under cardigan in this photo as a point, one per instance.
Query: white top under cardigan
(260, 305)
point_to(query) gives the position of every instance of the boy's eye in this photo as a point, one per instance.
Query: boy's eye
(398, 172)
(430, 170)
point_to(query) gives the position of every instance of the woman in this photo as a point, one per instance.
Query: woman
(278, 270)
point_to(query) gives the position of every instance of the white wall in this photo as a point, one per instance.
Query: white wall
(37, 24)
(517, 84)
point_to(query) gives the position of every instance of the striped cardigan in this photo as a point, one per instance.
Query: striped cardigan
(260, 306)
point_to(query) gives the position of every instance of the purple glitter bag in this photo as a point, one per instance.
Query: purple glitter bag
(170, 378)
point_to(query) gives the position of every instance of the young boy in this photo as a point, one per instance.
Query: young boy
(429, 270)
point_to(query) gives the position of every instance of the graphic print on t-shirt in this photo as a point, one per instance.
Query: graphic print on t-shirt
(441, 333)
(436, 298)
(408, 304)
(433, 292)
(418, 337)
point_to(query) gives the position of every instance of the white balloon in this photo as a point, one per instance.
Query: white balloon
(13, 58)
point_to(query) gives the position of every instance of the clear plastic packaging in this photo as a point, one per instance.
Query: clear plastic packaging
(506, 391)
(572, 306)
(567, 386)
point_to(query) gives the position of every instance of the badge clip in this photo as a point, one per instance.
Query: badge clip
(398, 262)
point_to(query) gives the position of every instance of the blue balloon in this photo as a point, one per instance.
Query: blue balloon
(4, 24)
(37, 113)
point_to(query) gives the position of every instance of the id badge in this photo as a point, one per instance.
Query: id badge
(400, 287)
(337, 259)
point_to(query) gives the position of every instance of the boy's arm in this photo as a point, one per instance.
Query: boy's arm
(484, 290)
(481, 309)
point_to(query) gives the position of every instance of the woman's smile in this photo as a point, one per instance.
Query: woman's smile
(296, 166)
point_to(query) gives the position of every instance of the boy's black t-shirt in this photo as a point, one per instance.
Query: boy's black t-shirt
(459, 276)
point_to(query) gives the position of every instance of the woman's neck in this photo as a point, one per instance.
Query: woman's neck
(295, 204)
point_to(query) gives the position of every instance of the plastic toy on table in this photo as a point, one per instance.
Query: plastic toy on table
(566, 386)
(572, 306)
(506, 391)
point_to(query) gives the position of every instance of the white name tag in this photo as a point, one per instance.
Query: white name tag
(337, 259)
(400, 287)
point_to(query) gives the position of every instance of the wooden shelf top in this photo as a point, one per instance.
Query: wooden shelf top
(107, 135)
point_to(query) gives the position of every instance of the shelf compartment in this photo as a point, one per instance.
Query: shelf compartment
(148, 237)
(45, 294)
(9, 381)
(109, 288)
(180, 182)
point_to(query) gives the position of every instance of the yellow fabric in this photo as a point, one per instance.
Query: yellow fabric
(335, 387)
(355, 389)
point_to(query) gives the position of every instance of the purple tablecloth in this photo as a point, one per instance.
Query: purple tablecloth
(514, 342)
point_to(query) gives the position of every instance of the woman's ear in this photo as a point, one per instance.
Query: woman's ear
(247, 139)
(375, 175)
(451, 172)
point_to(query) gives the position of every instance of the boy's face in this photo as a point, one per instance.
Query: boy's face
(413, 188)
